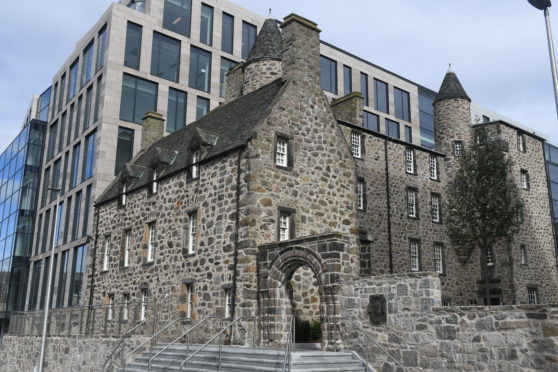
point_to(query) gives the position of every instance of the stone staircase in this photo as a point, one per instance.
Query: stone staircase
(237, 359)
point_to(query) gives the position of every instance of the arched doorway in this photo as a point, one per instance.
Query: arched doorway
(304, 294)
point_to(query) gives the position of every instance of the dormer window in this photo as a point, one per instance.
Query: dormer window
(154, 183)
(195, 165)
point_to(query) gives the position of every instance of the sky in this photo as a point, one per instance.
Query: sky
(497, 48)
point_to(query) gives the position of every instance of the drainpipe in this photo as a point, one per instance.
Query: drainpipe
(237, 227)
(388, 202)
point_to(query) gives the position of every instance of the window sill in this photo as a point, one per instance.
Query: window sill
(148, 263)
(413, 217)
(287, 168)
(411, 173)
(438, 222)
(104, 271)
(435, 179)
(124, 267)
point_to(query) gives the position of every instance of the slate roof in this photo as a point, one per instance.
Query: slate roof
(267, 44)
(451, 88)
(225, 128)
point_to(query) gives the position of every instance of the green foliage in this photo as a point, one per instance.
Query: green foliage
(483, 200)
(307, 331)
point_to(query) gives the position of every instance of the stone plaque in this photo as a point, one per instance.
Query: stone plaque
(377, 309)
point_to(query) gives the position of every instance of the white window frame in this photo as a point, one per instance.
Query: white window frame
(127, 244)
(415, 254)
(152, 238)
(523, 252)
(123, 196)
(284, 226)
(195, 165)
(282, 152)
(412, 203)
(520, 142)
(228, 303)
(360, 195)
(125, 307)
(489, 257)
(438, 258)
(189, 300)
(192, 232)
(433, 162)
(435, 207)
(410, 161)
(110, 307)
(524, 179)
(154, 183)
(457, 148)
(446, 302)
(106, 254)
(532, 296)
(356, 145)
(143, 304)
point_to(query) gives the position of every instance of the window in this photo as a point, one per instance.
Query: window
(192, 232)
(371, 121)
(485, 119)
(78, 117)
(62, 277)
(525, 179)
(89, 157)
(127, 246)
(347, 80)
(438, 258)
(227, 33)
(76, 219)
(44, 105)
(523, 250)
(61, 92)
(328, 74)
(139, 96)
(176, 116)
(165, 57)
(200, 69)
(46, 270)
(206, 25)
(57, 229)
(106, 254)
(72, 85)
(433, 163)
(71, 124)
(86, 208)
(154, 183)
(67, 220)
(143, 308)
(52, 134)
(356, 145)
(408, 134)
(360, 194)
(75, 166)
(126, 307)
(402, 105)
(520, 215)
(489, 256)
(97, 99)
(152, 228)
(228, 303)
(132, 49)
(110, 309)
(195, 164)
(177, 16)
(414, 248)
(55, 183)
(101, 46)
(435, 207)
(138, 5)
(281, 152)
(284, 226)
(87, 67)
(34, 293)
(446, 302)
(392, 129)
(457, 148)
(202, 107)
(78, 273)
(87, 108)
(426, 119)
(123, 195)
(532, 296)
(364, 89)
(412, 203)
(54, 96)
(410, 161)
(124, 148)
(249, 33)
(521, 142)
(226, 65)
(381, 94)
(189, 300)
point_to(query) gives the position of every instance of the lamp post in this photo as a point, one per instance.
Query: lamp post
(39, 367)
(544, 5)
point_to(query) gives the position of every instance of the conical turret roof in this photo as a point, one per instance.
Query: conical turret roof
(451, 88)
(267, 44)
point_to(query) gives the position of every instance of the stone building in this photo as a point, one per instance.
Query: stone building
(279, 186)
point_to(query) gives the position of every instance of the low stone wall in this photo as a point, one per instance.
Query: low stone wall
(72, 353)
(425, 337)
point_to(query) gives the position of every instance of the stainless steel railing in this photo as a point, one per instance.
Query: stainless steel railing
(290, 340)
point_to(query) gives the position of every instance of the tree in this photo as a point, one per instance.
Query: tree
(483, 203)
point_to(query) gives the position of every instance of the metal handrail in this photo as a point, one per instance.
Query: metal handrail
(287, 360)
(178, 339)
(122, 340)
(149, 340)
(210, 341)
(374, 341)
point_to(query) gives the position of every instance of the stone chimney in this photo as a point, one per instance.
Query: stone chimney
(349, 108)
(234, 81)
(263, 64)
(301, 51)
(153, 129)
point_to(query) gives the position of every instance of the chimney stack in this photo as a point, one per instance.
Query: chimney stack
(349, 108)
(153, 129)
(301, 51)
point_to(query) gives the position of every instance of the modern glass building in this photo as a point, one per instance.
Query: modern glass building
(20, 169)
(551, 154)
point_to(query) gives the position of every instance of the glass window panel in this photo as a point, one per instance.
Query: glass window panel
(408, 134)
(553, 172)
(97, 99)
(62, 131)
(227, 33)
(381, 93)
(132, 49)
(101, 46)
(165, 57)
(78, 273)
(75, 165)
(249, 33)
(176, 116)
(392, 129)
(89, 156)
(328, 74)
(371, 121)
(402, 105)
(347, 80)
(124, 148)
(226, 65)
(177, 16)
(77, 215)
(44, 104)
(87, 108)
(62, 88)
(138, 97)
(52, 133)
(200, 69)
(72, 85)
(87, 68)
(206, 25)
(364, 88)
(202, 107)
(77, 123)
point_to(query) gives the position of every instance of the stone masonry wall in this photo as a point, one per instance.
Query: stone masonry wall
(260, 73)
(425, 337)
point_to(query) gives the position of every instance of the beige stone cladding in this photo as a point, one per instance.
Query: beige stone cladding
(212, 197)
